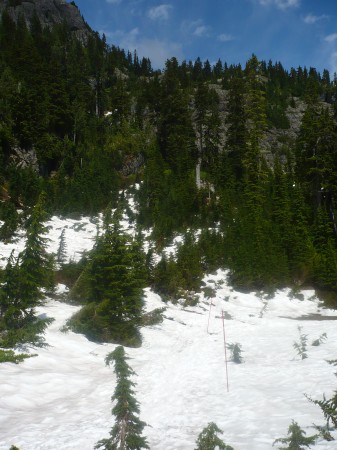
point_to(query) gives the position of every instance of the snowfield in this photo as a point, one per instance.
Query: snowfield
(60, 399)
(79, 236)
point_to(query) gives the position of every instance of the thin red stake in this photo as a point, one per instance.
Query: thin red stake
(209, 314)
(225, 345)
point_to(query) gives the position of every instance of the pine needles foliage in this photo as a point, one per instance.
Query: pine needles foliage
(127, 432)
(328, 407)
(209, 147)
(111, 285)
(12, 357)
(208, 439)
(301, 345)
(21, 292)
(296, 439)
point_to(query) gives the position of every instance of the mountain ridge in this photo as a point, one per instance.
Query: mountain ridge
(50, 13)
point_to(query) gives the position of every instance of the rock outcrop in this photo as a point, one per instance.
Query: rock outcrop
(50, 13)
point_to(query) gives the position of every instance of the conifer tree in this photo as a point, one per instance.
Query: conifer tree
(167, 277)
(258, 252)
(153, 190)
(257, 257)
(256, 102)
(10, 217)
(281, 207)
(297, 439)
(325, 261)
(112, 285)
(10, 311)
(236, 142)
(328, 406)
(21, 292)
(208, 439)
(35, 264)
(301, 248)
(61, 251)
(189, 262)
(236, 352)
(117, 273)
(176, 138)
(207, 127)
(127, 432)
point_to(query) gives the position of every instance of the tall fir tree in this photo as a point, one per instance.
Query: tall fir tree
(23, 281)
(112, 285)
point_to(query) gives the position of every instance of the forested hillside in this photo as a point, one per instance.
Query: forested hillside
(245, 155)
(137, 205)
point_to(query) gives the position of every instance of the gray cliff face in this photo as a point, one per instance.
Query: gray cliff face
(49, 12)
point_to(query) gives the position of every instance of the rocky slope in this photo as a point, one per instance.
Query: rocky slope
(50, 13)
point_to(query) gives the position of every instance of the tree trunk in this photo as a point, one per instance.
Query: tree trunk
(197, 173)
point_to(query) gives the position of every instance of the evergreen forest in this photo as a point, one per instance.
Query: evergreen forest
(234, 166)
(239, 160)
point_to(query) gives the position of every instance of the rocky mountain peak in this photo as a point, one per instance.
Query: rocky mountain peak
(50, 13)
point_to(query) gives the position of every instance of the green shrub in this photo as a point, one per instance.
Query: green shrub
(301, 346)
(100, 327)
(296, 439)
(319, 340)
(235, 350)
(208, 439)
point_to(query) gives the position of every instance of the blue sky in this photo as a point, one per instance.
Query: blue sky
(294, 32)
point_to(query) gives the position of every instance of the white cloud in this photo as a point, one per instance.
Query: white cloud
(119, 37)
(160, 12)
(200, 31)
(311, 18)
(158, 51)
(225, 37)
(281, 4)
(195, 28)
(331, 37)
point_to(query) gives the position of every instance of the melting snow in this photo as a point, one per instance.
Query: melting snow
(60, 399)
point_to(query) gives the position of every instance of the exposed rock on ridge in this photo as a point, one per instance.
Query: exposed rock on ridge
(50, 13)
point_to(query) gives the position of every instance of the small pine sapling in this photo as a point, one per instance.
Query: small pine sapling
(236, 351)
(301, 346)
(320, 340)
(296, 439)
(333, 362)
(324, 433)
(328, 407)
(208, 439)
(23, 280)
(61, 251)
(126, 434)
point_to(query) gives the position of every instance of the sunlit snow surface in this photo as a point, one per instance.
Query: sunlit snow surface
(79, 236)
(61, 399)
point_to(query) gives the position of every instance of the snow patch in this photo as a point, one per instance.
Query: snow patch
(61, 399)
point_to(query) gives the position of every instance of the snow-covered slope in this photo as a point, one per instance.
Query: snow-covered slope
(79, 236)
(60, 399)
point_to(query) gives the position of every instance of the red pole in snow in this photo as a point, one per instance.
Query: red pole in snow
(209, 314)
(225, 345)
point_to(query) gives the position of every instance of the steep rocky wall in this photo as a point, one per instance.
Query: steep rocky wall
(49, 12)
